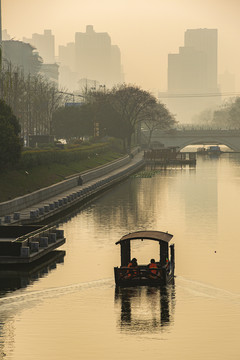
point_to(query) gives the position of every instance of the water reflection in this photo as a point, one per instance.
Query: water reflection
(15, 277)
(145, 309)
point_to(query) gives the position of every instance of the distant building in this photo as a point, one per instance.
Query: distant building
(92, 57)
(193, 75)
(5, 35)
(45, 44)
(66, 55)
(205, 41)
(97, 58)
(50, 72)
(22, 56)
(68, 78)
(227, 83)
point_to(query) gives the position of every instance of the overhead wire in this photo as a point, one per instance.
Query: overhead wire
(179, 95)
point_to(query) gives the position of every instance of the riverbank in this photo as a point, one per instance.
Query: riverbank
(15, 183)
(48, 202)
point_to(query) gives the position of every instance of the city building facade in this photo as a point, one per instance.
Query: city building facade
(193, 75)
(93, 58)
(45, 44)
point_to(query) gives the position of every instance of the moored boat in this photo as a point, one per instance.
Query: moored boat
(132, 274)
(24, 244)
(214, 150)
(201, 150)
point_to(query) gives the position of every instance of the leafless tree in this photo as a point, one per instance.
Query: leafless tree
(157, 117)
(33, 100)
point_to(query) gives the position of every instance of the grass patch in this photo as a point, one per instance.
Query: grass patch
(15, 183)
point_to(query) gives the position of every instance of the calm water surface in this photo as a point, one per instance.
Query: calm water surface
(70, 309)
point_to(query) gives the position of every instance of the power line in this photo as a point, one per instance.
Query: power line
(174, 96)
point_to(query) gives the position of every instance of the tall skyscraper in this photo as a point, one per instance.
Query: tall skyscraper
(205, 41)
(96, 58)
(193, 74)
(194, 68)
(45, 44)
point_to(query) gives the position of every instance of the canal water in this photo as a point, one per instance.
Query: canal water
(69, 308)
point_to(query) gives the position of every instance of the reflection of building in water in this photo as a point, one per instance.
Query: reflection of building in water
(14, 277)
(145, 309)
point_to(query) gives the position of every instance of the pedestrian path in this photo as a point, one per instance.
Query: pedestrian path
(78, 194)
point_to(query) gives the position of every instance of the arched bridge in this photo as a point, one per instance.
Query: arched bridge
(182, 138)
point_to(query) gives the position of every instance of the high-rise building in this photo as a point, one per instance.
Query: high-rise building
(205, 41)
(66, 55)
(193, 75)
(45, 44)
(5, 35)
(227, 83)
(96, 58)
(68, 78)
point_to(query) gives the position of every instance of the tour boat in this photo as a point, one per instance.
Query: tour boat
(24, 244)
(142, 274)
(214, 150)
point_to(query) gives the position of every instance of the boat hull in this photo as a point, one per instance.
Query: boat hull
(143, 278)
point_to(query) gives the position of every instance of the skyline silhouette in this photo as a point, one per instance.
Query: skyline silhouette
(145, 31)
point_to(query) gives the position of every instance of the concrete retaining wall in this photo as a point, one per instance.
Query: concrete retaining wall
(38, 196)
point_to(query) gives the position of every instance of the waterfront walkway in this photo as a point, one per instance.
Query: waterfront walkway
(54, 205)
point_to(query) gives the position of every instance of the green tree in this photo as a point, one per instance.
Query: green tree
(10, 143)
(73, 121)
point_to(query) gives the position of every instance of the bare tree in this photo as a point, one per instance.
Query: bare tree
(157, 117)
(130, 103)
(32, 98)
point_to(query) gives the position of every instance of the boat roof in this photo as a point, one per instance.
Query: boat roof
(146, 235)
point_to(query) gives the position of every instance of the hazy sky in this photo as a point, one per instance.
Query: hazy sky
(145, 30)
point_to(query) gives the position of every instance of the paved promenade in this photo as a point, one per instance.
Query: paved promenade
(45, 210)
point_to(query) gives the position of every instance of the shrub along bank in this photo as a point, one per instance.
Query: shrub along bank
(33, 158)
(40, 168)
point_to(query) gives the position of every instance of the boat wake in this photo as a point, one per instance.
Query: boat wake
(26, 299)
(205, 290)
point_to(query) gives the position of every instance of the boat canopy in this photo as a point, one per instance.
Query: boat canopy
(146, 235)
(163, 239)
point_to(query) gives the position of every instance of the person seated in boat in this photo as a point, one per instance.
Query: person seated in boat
(154, 270)
(167, 265)
(132, 268)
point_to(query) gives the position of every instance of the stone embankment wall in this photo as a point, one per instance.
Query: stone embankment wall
(38, 196)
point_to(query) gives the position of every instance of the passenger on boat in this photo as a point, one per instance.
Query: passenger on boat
(132, 268)
(154, 271)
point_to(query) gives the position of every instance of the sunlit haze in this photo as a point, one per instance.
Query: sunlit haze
(146, 31)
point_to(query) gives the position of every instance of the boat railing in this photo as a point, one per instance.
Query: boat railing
(142, 271)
